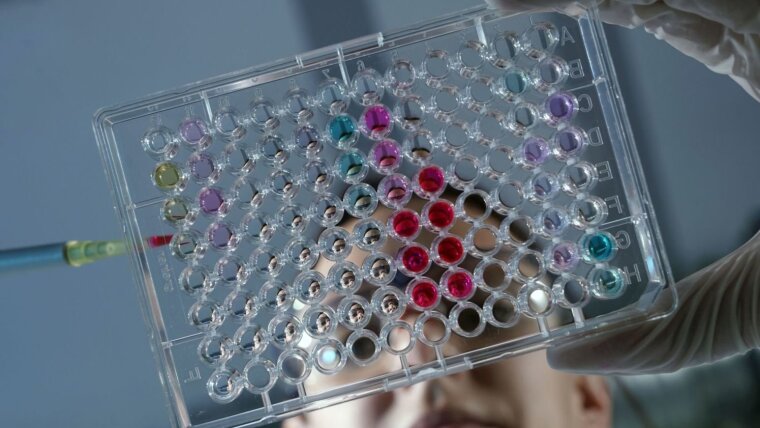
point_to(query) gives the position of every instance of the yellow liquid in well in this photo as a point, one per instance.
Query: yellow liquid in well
(166, 176)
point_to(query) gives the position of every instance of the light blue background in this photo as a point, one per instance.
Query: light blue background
(74, 349)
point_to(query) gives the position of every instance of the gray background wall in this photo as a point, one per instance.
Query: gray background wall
(73, 349)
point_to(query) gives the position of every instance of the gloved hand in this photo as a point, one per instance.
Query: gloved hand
(718, 315)
(719, 309)
(722, 34)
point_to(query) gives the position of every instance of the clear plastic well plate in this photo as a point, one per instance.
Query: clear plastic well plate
(461, 191)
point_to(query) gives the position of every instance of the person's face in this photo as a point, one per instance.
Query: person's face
(517, 392)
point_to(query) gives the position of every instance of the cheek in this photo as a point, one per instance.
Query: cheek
(526, 379)
(357, 413)
(543, 394)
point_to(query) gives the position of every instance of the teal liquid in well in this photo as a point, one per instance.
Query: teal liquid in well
(515, 82)
(350, 164)
(607, 283)
(342, 128)
(599, 247)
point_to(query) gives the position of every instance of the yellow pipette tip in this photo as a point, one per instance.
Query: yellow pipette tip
(80, 253)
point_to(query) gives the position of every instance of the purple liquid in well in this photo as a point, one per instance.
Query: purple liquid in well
(377, 118)
(193, 130)
(553, 221)
(202, 166)
(569, 141)
(210, 200)
(560, 105)
(542, 186)
(535, 150)
(386, 154)
(565, 256)
(395, 189)
(219, 235)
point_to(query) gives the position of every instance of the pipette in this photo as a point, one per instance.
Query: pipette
(72, 253)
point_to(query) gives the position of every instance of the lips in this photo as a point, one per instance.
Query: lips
(449, 419)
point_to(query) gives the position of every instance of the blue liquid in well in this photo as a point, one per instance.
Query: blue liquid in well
(342, 128)
(350, 164)
(608, 282)
(600, 247)
(515, 82)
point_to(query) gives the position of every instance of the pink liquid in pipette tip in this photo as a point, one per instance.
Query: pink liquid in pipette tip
(159, 240)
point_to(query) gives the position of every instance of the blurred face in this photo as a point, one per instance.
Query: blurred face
(518, 392)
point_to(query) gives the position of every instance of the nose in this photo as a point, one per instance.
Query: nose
(437, 392)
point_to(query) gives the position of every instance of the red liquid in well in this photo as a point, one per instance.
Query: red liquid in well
(415, 258)
(451, 250)
(406, 223)
(441, 214)
(425, 294)
(460, 285)
(431, 179)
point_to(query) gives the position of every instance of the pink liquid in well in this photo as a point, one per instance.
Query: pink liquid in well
(441, 214)
(432, 179)
(406, 223)
(415, 258)
(425, 294)
(460, 285)
(451, 250)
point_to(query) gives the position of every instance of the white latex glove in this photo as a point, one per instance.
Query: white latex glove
(718, 315)
(722, 34)
(719, 308)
